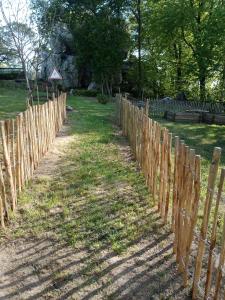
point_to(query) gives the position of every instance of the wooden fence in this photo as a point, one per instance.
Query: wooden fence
(158, 107)
(24, 141)
(174, 179)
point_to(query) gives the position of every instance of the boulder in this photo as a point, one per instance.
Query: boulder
(62, 57)
(92, 86)
(69, 108)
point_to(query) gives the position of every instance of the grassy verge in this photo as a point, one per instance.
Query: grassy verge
(12, 101)
(203, 138)
(99, 199)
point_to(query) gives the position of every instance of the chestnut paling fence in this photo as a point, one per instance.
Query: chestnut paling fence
(24, 141)
(174, 179)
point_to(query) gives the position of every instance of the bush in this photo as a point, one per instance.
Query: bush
(12, 84)
(86, 93)
(12, 75)
(103, 99)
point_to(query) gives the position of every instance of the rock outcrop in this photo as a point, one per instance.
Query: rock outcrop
(62, 57)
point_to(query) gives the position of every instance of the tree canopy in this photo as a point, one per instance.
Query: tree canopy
(147, 47)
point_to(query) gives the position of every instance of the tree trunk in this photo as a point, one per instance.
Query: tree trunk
(107, 86)
(202, 83)
(178, 57)
(27, 81)
(102, 84)
(139, 47)
(222, 84)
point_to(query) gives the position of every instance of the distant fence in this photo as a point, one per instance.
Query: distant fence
(174, 179)
(158, 107)
(24, 141)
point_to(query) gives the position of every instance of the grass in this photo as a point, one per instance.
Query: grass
(12, 101)
(203, 138)
(99, 199)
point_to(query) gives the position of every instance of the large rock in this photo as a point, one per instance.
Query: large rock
(92, 86)
(62, 57)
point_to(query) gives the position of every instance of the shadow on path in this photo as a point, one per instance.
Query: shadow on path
(92, 232)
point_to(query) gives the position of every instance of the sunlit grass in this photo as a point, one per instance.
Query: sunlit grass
(203, 138)
(12, 101)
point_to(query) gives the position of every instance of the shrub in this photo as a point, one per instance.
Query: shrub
(12, 84)
(103, 99)
(86, 93)
(12, 75)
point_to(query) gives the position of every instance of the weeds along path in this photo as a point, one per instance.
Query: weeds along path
(86, 227)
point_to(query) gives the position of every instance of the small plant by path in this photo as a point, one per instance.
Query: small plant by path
(87, 228)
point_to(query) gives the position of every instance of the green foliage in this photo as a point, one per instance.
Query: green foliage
(102, 43)
(101, 39)
(11, 76)
(86, 93)
(184, 44)
(6, 53)
(103, 99)
(13, 84)
(18, 40)
(181, 44)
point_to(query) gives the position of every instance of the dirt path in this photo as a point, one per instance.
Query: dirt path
(50, 265)
(49, 165)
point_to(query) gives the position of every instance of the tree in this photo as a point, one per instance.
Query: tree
(195, 29)
(6, 55)
(101, 40)
(202, 31)
(177, 45)
(18, 36)
(102, 43)
(135, 6)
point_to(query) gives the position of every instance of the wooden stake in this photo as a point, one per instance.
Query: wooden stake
(8, 166)
(208, 202)
(219, 273)
(213, 236)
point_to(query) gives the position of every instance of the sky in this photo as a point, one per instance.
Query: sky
(15, 9)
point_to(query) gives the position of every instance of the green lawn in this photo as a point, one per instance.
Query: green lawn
(12, 101)
(201, 137)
